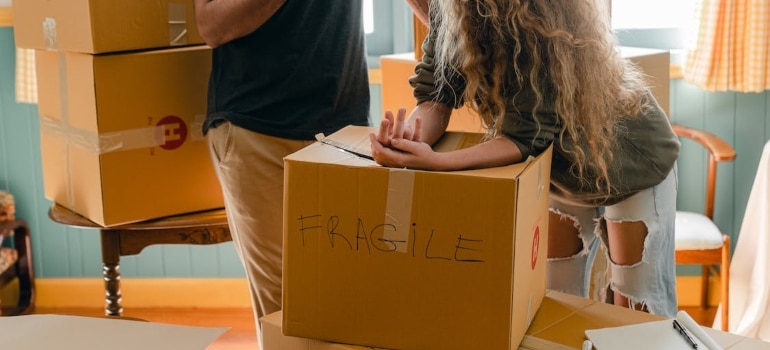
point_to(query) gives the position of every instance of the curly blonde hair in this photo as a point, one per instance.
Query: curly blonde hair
(558, 49)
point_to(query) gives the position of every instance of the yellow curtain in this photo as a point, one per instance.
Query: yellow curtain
(731, 48)
(26, 81)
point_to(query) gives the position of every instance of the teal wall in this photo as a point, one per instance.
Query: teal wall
(741, 119)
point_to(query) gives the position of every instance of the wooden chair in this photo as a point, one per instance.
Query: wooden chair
(698, 239)
(16, 253)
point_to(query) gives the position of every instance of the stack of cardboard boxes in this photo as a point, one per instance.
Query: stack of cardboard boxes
(374, 256)
(122, 92)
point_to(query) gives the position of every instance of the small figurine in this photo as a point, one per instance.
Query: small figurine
(7, 207)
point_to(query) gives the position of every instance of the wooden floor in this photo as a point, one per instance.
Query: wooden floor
(242, 334)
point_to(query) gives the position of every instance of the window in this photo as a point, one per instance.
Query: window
(388, 26)
(658, 24)
(652, 13)
(368, 17)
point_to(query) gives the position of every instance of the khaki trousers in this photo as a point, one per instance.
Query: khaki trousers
(250, 169)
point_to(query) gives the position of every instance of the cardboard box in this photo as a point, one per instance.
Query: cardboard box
(403, 259)
(99, 26)
(273, 338)
(397, 68)
(562, 320)
(121, 133)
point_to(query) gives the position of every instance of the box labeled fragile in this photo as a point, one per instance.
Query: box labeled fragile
(100, 26)
(121, 133)
(402, 259)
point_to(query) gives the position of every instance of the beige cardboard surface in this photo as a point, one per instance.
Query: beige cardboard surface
(99, 26)
(63, 332)
(656, 65)
(397, 258)
(273, 338)
(121, 133)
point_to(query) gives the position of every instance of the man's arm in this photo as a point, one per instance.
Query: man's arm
(220, 21)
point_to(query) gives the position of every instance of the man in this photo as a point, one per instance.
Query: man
(282, 71)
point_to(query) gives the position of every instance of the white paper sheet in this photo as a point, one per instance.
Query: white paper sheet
(661, 335)
(62, 332)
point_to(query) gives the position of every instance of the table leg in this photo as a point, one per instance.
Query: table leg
(111, 271)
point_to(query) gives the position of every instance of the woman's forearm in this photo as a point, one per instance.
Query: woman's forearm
(493, 153)
(434, 117)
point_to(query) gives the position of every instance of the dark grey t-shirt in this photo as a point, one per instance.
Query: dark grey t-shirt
(301, 73)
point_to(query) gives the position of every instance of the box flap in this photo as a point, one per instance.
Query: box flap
(351, 146)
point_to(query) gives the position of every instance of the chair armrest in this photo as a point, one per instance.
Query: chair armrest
(720, 150)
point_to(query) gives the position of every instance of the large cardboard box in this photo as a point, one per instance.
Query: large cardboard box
(397, 68)
(273, 338)
(121, 133)
(99, 26)
(402, 259)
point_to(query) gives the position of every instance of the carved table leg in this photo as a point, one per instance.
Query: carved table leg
(111, 272)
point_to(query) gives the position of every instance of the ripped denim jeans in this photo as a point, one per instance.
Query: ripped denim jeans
(650, 282)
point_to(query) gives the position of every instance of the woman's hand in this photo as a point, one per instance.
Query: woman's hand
(398, 143)
(404, 153)
(398, 128)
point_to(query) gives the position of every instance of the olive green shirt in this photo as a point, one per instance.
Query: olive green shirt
(646, 146)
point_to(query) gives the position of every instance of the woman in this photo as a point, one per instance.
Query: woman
(537, 73)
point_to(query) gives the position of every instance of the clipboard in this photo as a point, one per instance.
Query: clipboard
(659, 335)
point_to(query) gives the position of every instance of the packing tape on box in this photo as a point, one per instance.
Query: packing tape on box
(177, 24)
(100, 143)
(49, 33)
(196, 128)
(64, 106)
(106, 142)
(398, 208)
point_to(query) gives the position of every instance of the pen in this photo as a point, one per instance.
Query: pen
(686, 335)
(588, 345)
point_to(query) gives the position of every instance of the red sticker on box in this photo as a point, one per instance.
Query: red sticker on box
(175, 132)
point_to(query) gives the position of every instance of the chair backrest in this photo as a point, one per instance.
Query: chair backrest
(718, 151)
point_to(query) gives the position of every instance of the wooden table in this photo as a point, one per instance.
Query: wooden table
(207, 227)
